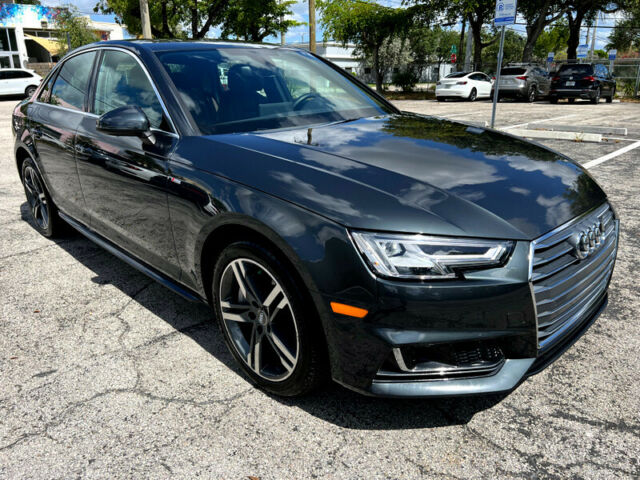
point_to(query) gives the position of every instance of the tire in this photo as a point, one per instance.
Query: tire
(610, 97)
(440, 99)
(553, 100)
(532, 95)
(44, 213)
(473, 95)
(273, 333)
(571, 100)
(30, 90)
(596, 99)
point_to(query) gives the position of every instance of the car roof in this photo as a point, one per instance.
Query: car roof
(168, 45)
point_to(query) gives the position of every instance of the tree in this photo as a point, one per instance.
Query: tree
(168, 16)
(254, 20)
(580, 11)
(552, 39)
(514, 44)
(539, 14)
(77, 28)
(365, 23)
(626, 36)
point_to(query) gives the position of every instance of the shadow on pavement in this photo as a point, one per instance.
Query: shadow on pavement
(332, 403)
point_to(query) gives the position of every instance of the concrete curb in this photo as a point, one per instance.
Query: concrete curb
(579, 128)
(553, 135)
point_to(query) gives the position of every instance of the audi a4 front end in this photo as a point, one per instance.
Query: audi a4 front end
(333, 235)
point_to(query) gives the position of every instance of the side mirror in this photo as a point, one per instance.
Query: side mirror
(129, 121)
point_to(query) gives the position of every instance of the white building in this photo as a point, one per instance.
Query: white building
(27, 34)
(344, 58)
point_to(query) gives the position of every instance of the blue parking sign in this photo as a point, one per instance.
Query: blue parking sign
(505, 12)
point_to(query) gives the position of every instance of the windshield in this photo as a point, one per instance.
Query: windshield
(237, 89)
(575, 70)
(457, 75)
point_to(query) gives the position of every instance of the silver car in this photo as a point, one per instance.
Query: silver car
(528, 82)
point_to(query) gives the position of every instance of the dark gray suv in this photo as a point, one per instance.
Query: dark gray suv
(528, 82)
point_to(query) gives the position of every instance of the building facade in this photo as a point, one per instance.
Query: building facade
(344, 57)
(28, 34)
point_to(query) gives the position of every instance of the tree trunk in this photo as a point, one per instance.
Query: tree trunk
(574, 34)
(166, 31)
(194, 19)
(376, 68)
(461, 42)
(476, 30)
(533, 33)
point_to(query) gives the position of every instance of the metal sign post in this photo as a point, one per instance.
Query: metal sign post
(505, 15)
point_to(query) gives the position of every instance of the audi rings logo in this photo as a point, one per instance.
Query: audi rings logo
(587, 241)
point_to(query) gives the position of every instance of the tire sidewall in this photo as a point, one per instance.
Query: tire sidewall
(48, 232)
(472, 95)
(302, 377)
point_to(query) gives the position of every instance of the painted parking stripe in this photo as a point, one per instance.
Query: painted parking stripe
(611, 155)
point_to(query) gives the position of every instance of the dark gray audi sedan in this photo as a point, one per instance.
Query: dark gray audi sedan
(333, 235)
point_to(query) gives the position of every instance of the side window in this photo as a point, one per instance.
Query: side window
(3, 75)
(71, 85)
(46, 90)
(122, 82)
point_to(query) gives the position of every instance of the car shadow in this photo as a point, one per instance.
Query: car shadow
(332, 403)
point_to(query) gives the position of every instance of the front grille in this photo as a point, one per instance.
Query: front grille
(565, 287)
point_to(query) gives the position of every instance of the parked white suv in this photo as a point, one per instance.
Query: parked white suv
(18, 81)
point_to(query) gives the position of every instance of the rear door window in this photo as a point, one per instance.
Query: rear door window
(71, 86)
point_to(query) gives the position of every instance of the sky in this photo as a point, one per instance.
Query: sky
(300, 12)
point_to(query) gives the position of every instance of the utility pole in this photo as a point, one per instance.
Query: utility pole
(312, 26)
(145, 18)
(593, 38)
(282, 32)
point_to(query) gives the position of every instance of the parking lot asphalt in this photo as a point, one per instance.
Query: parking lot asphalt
(106, 374)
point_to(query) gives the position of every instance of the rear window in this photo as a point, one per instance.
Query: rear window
(575, 70)
(457, 75)
(513, 71)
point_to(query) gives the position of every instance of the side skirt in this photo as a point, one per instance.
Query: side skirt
(184, 292)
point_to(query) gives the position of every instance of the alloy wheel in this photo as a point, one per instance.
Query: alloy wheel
(473, 95)
(36, 198)
(259, 319)
(532, 94)
(30, 91)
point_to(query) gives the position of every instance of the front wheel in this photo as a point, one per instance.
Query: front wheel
(553, 100)
(473, 95)
(269, 327)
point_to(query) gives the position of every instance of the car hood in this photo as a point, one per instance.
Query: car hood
(411, 173)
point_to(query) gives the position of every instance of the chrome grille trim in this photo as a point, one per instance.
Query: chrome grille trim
(565, 288)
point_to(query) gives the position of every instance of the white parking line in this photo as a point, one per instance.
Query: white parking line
(611, 155)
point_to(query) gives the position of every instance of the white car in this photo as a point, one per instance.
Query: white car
(18, 81)
(467, 85)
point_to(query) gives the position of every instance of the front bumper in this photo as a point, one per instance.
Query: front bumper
(489, 311)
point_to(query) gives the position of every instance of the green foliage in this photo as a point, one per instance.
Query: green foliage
(626, 38)
(254, 20)
(76, 27)
(513, 47)
(366, 24)
(406, 79)
(553, 39)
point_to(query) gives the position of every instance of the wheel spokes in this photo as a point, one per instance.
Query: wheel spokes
(244, 284)
(287, 359)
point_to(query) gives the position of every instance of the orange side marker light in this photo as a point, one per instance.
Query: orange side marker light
(348, 310)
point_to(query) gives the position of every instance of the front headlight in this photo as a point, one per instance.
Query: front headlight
(422, 257)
